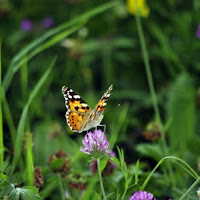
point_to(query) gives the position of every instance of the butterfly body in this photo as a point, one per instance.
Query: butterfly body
(79, 116)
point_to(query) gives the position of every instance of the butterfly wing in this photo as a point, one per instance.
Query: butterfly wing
(96, 115)
(77, 110)
(103, 101)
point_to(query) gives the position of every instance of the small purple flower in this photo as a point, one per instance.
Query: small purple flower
(142, 195)
(198, 31)
(95, 144)
(48, 22)
(26, 25)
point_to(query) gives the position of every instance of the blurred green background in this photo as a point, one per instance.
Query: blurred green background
(92, 53)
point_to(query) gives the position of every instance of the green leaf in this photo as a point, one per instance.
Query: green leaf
(7, 189)
(14, 195)
(103, 163)
(109, 195)
(136, 171)
(119, 125)
(91, 195)
(151, 150)
(56, 164)
(3, 176)
(114, 160)
(33, 189)
(26, 192)
(51, 185)
(181, 109)
(29, 194)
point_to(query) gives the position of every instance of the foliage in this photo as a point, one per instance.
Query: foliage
(14, 193)
(148, 50)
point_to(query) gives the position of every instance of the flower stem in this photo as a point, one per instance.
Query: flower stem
(100, 179)
(190, 189)
(1, 122)
(149, 77)
(29, 159)
(163, 143)
(187, 168)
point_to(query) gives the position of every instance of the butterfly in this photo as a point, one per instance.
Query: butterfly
(79, 116)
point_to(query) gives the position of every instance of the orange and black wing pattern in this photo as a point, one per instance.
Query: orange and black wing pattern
(77, 110)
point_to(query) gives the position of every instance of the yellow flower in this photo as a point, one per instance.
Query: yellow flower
(140, 6)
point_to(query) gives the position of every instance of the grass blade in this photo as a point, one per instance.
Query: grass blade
(29, 159)
(190, 189)
(161, 161)
(8, 116)
(1, 121)
(24, 79)
(181, 108)
(21, 126)
(150, 77)
(46, 45)
(136, 171)
(37, 42)
(119, 125)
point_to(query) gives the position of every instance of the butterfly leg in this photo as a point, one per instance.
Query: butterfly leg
(104, 129)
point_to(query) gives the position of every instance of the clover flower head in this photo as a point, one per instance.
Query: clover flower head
(26, 25)
(38, 177)
(95, 144)
(60, 163)
(142, 195)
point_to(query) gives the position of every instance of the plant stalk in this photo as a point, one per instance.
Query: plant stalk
(193, 173)
(29, 159)
(100, 179)
(1, 122)
(149, 77)
(152, 88)
(190, 189)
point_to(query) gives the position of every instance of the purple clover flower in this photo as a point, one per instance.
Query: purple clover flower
(48, 22)
(142, 195)
(95, 144)
(26, 25)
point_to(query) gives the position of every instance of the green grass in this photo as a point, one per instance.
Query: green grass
(1, 121)
(154, 67)
(22, 122)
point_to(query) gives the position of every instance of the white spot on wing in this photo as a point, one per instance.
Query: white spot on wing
(104, 104)
(84, 104)
(77, 96)
(69, 96)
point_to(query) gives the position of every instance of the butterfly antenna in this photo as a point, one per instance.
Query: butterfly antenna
(113, 108)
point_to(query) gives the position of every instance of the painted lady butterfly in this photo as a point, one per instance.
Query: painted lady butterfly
(79, 115)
